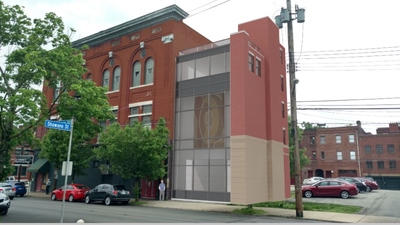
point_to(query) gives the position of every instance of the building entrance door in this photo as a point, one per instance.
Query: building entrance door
(149, 188)
(39, 181)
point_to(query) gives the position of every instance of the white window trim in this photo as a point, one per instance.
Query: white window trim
(140, 103)
(142, 85)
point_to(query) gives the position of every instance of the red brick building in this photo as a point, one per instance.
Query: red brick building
(224, 102)
(350, 151)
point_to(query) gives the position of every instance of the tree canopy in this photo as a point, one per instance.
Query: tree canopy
(304, 160)
(135, 152)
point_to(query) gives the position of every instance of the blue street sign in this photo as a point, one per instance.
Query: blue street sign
(58, 125)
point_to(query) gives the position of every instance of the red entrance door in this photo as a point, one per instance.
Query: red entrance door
(149, 188)
(39, 180)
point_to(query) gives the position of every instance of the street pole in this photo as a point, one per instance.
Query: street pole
(66, 170)
(293, 111)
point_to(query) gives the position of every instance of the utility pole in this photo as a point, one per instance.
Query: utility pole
(286, 17)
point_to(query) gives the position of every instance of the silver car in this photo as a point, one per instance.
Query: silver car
(8, 189)
(5, 204)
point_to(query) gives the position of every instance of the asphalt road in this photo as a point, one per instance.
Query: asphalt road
(376, 203)
(38, 210)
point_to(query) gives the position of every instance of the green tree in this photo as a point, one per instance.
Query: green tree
(28, 63)
(135, 152)
(304, 160)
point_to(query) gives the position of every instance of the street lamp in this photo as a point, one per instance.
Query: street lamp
(286, 17)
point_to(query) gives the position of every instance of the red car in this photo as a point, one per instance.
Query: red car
(331, 188)
(74, 192)
(371, 184)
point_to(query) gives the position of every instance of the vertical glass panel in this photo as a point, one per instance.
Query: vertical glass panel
(178, 105)
(106, 78)
(149, 73)
(200, 178)
(202, 67)
(218, 178)
(146, 121)
(184, 177)
(218, 64)
(177, 126)
(189, 176)
(188, 144)
(134, 110)
(228, 62)
(216, 142)
(217, 157)
(187, 103)
(147, 108)
(185, 156)
(186, 125)
(116, 78)
(227, 121)
(188, 70)
(179, 72)
(201, 157)
(136, 74)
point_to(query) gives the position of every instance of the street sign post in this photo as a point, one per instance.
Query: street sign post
(65, 125)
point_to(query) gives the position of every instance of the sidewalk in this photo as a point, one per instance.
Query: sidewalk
(220, 207)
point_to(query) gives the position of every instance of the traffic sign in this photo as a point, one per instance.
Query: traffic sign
(58, 125)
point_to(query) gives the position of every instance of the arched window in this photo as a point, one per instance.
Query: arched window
(136, 74)
(106, 79)
(149, 71)
(89, 77)
(116, 78)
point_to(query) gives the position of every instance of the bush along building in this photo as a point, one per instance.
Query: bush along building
(350, 151)
(224, 102)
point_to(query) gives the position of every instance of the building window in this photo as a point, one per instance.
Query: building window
(322, 140)
(149, 71)
(106, 79)
(339, 156)
(284, 136)
(146, 121)
(281, 55)
(322, 155)
(283, 110)
(338, 139)
(314, 155)
(132, 120)
(136, 74)
(251, 62)
(352, 155)
(379, 149)
(390, 148)
(89, 77)
(57, 92)
(392, 164)
(351, 138)
(96, 164)
(367, 149)
(381, 165)
(258, 67)
(116, 78)
(282, 84)
(369, 165)
(312, 140)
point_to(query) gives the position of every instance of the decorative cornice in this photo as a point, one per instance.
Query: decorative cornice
(172, 12)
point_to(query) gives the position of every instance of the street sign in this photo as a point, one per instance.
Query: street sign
(58, 125)
(66, 168)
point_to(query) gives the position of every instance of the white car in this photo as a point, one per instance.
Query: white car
(5, 203)
(8, 189)
(312, 180)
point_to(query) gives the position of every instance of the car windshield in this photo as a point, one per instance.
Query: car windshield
(5, 185)
(81, 187)
(119, 187)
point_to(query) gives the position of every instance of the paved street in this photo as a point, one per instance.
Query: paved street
(40, 210)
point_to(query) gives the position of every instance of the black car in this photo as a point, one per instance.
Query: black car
(108, 194)
(361, 186)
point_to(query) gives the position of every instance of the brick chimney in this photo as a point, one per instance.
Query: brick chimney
(393, 127)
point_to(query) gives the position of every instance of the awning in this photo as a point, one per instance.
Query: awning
(41, 165)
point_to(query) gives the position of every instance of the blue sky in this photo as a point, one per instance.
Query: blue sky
(345, 50)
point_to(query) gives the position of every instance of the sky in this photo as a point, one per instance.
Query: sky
(347, 53)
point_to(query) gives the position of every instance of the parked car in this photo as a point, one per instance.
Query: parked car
(74, 192)
(330, 188)
(7, 189)
(20, 189)
(108, 194)
(360, 184)
(371, 184)
(5, 204)
(312, 180)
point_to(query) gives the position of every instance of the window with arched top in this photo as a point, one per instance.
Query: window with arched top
(116, 78)
(136, 74)
(89, 77)
(149, 71)
(106, 79)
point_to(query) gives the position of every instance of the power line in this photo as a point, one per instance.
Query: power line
(209, 8)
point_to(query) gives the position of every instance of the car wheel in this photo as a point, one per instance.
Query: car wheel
(71, 198)
(308, 194)
(12, 198)
(87, 199)
(358, 190)
(21, 195)
(4, 212)
(344, 194)
(107, 201)
(369, 189)
(53, 197)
